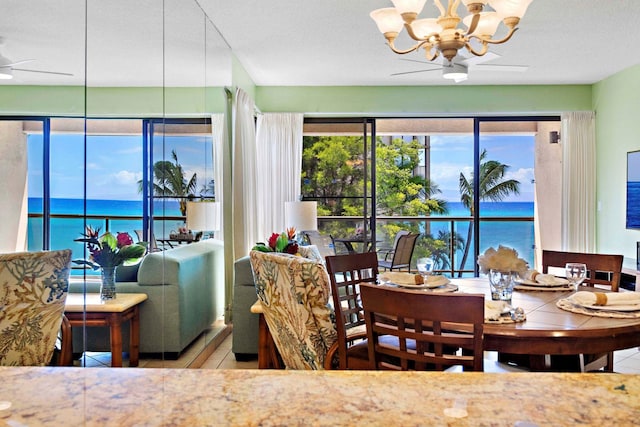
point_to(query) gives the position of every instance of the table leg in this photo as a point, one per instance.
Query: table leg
(115, 331)
(134, 333)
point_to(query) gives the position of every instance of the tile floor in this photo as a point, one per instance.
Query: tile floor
(625, 361)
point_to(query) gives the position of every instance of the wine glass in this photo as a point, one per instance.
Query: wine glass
(576, 272)
(425, 266)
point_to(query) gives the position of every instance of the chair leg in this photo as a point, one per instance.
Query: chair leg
(66, 350)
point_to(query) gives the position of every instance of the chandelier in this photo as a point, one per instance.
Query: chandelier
(441, 36)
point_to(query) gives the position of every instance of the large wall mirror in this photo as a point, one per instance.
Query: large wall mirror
(114, 90)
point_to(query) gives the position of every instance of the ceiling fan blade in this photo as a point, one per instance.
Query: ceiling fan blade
(24, 61)
(42, 72)
(475, 60)
(506, 68)
(413, 72)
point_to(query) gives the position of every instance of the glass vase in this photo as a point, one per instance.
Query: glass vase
(108, 285)
(501, 285)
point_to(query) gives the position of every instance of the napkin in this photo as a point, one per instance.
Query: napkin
(601, 298)
(436, 281)
(493, 309)
(549, 280)
(402, 278)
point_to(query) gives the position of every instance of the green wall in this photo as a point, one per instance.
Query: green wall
(615, 101)
(110, 101)
(424, 100)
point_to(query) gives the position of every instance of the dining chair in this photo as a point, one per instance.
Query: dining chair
(153, 244)
(603, 270)
(400, 257)
(416, 330)
(32, 297)
(346, 273)
(323, 242)
(294, 294)
(425, 325)
(386, 252)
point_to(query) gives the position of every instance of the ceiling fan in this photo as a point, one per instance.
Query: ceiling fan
(458, 69)
(7, 66)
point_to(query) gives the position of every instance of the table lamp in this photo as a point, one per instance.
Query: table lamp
(203, 216)
(301, 215)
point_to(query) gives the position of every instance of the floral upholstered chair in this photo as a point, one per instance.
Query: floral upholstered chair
(33, 291)
(294, 293)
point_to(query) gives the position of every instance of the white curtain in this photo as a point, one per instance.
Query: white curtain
(245, 220)
(218, 136)
(578, 181)
(279, 165)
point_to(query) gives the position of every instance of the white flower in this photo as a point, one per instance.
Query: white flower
(503, 259)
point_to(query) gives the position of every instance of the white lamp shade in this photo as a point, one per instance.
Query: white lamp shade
(488, 24)
(388, 20)
(423, 27)
(409, 6)
(203, 216)
(303, 216)
(510, 8)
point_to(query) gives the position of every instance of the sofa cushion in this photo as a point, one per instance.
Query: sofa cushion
(127, 273)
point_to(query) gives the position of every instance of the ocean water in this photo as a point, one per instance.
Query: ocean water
(633, 204)
(64, 230)
(518, 235)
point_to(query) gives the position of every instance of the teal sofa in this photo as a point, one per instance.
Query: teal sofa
(245, 324)
(185, 290)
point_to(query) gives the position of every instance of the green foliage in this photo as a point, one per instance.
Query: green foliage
(170, 181)
(493, 186)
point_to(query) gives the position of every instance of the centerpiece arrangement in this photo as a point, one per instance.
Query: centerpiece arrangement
(108, 252)
(280, 242)
(503, 266)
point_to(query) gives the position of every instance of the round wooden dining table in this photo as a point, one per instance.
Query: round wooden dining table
(549, 330)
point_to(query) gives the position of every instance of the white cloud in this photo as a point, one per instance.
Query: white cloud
(126, 177)
(523, 175)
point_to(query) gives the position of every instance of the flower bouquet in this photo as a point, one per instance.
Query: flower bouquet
(284, 242)
(502, 266)
(503, 259)
(108, 252)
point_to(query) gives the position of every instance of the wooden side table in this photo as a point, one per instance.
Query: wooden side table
(92, 312)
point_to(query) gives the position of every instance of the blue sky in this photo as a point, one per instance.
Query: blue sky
(451, 155)
(633, 166)
(114, 164)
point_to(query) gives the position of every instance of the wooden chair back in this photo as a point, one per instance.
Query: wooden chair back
(346, 273)
(602, 269)
(426, 325)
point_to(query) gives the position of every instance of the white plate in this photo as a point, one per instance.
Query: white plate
(434, 284)
(558, 282)
(543, 288)
(635, 307)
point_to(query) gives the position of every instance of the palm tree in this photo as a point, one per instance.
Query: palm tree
(492, 187)
(171, 182)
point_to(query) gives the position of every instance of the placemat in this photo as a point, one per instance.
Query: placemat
(542, 288)
(574, 308)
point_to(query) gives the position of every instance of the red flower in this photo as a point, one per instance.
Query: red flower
(272, 240)
(124, 240)
(292, 248)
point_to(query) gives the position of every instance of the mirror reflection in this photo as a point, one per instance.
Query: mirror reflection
(119, 129)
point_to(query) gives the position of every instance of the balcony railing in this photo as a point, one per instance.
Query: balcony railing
(514, 232)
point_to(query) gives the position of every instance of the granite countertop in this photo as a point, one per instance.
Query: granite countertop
(185, 397)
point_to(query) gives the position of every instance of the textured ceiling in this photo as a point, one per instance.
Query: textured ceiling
(294, 42)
